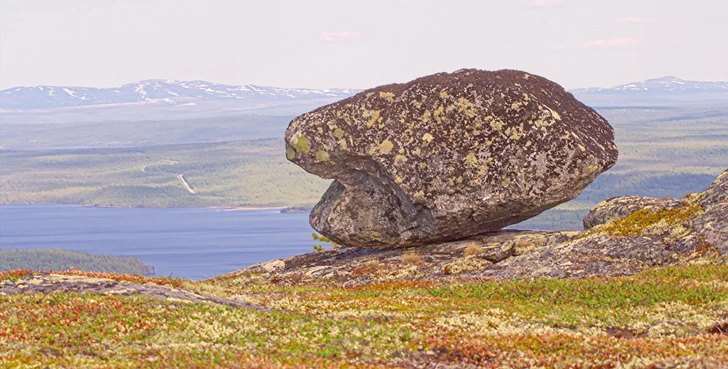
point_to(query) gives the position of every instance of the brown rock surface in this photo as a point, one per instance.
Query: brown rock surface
(447, 156)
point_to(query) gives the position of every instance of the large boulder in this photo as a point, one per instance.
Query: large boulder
(447, 156)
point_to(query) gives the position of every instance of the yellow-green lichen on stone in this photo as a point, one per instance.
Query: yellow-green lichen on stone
(290, 153)
(385, 146)
(322, 156)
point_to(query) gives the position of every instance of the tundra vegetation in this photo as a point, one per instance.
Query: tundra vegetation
(662, 317)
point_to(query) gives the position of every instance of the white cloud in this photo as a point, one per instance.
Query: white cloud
(335, 36)
(546, 3)
(633, 20)
(558, 47)
(612, 42)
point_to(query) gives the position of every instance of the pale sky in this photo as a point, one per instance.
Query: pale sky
(358, 44)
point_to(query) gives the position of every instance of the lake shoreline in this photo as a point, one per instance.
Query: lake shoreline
(193, 243)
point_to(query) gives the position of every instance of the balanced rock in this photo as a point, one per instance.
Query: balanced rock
(447, 156)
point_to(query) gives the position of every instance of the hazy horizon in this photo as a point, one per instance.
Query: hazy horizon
(348, 44)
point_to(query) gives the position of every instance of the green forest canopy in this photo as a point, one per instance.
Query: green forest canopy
(62, 260)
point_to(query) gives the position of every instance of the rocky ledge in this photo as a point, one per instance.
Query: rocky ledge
(623, 236)
(49, 282)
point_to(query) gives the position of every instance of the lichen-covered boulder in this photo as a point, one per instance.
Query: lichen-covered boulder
(622, 206)
(447, 156)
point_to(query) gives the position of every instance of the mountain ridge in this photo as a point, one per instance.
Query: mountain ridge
(154, 99)
(662, 84)
(173, 92)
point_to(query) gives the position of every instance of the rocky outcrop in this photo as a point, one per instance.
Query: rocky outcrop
(627, 234)
(48, 282)
(447, 156)
(622, 206)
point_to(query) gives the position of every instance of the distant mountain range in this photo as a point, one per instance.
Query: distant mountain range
(665, 91)
(667, 84)
(156, 90)
(167, 99)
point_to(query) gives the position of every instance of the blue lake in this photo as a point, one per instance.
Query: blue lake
(194, 243)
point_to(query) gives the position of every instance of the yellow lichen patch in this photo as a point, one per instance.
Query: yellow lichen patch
(427, 138)
(398, 180)
(338, 133)
(554, 114)
(465, 106)
(439, 111)
(372, 115)
(386, 95)
(290, 153)
(423, 165)
(400, 159)
(342, 144)
(444, 94)
(385, 146)
(496, 124)
(505, 182)
(299, 143)
(322, 156)
(516, 105)
(514, 133)
(471, 160)
(426, 116)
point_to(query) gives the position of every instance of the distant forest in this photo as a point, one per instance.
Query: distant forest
(63, 260)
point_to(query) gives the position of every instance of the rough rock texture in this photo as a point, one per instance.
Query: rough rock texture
(712, 224)
(622, 206)
(631, 234)
(45, 282)
(447, 156)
